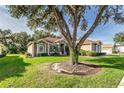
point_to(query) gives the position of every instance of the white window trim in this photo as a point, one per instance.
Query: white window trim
(38, 46)
(0, 50)
(91, 46)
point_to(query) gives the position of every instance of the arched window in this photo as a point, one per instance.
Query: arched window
(40, 48)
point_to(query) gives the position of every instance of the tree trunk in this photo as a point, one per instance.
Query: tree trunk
(73, 56)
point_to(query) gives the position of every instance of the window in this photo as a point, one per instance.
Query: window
(41, 49)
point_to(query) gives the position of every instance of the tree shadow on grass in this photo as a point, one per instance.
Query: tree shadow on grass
(109, 62)
(11, 66)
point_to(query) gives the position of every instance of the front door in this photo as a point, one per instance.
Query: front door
(62, 48)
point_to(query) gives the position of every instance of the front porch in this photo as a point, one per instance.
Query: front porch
(60, 49)
(51, 49)
(96, 47)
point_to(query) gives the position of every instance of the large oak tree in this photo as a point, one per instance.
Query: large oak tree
(68, 20)
(5, 36)
(21, 40)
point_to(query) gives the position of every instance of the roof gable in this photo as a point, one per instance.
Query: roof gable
(53, 40)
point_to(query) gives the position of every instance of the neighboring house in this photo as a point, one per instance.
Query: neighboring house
(47, 45)
(108, 48)
(2, 47)
(120, 48)
(90, 45)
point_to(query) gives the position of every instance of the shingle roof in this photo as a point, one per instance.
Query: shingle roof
(58, 39)
(51, 39)
(87, 41)
(47, 40)
(107, 45)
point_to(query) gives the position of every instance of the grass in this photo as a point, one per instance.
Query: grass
(17, 71)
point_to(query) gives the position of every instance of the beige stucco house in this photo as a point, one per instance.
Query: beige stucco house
(47, 45)
(107, 48)
(90, 45)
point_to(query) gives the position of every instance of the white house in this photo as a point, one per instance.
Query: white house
(107, 48)
(120, 48)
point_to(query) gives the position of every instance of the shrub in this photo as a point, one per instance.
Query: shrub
(83, 52)
(23, 52)
(43, 54)
(91, 53)
(101, 54)
(12, 49)
(27, 55)
(55, 54)
(54, 49)
(3, 53)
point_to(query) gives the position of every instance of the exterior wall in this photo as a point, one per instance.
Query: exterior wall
(91, 47)
(35, 48)
(30, 49)
(44, 47)
(47, 48)
(107, 50)
(120, 48)
(96, 47)
(86, 47)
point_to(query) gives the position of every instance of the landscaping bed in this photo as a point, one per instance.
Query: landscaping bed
(78, 69)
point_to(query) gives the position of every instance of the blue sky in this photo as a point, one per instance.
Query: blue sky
(8, 22)
(105, 33)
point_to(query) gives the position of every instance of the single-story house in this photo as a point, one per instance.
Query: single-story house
(50, 45)
(90, 45)
(108, 48)
(120, 48)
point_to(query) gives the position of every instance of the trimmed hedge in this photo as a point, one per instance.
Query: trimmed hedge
(91, 53)
(27, 55)
(83, 52)
(54, 54)
(43, 54)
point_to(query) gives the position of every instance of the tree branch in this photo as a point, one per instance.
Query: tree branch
(60, 20)
(82, 10)
(77, 18)
(75, 25)
(95, 24)
(70, 9)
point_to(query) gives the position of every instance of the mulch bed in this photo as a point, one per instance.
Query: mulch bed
(80, 69)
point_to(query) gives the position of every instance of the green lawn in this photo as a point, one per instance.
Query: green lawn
(17, 71)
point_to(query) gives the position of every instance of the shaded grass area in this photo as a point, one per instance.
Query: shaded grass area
(17, 71)
(11, 66)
